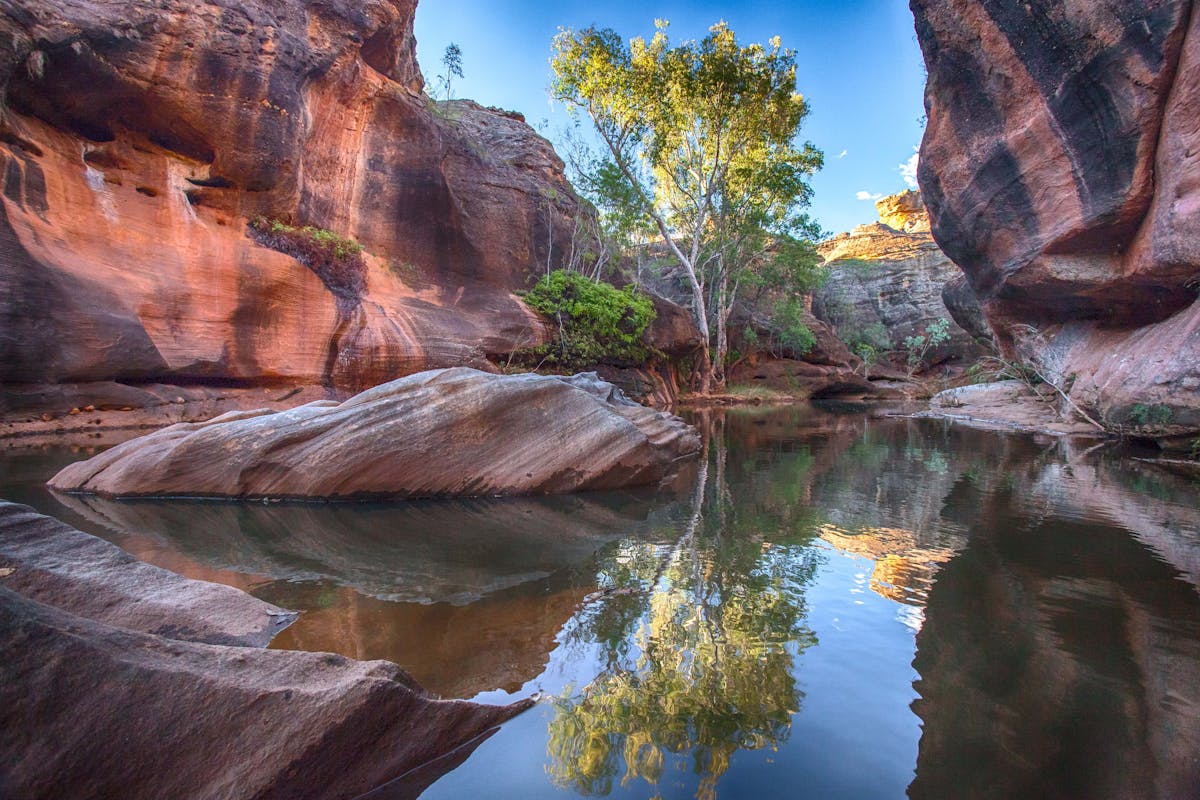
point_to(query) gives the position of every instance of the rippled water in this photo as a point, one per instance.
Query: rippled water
(828, 606)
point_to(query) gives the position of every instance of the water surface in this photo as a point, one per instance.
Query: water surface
(827, 605)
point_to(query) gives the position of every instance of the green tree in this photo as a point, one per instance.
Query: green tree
(704, 136)
(452, 64)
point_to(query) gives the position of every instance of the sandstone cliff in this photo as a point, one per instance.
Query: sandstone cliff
(886, 283)
(137, 141)
(1060, 167)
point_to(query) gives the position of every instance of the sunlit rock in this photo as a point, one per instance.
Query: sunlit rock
(438, 433)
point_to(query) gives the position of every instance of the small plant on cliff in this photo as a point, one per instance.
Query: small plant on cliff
(336, 260)
(1143, 415)
(868, 354)
(452, 63)
(597, 322)
(919, 346)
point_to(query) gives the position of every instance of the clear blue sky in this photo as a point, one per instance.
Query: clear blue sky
(859, 67)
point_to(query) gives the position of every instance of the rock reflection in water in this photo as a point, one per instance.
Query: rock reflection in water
(1061, 651)
(752, 633)
(467, 595)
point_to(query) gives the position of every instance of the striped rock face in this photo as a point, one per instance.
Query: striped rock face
(1051, 124)
(138, 141)
(1061, 168)
(452, 432)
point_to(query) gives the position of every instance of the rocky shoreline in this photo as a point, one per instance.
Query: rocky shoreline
(123, 679)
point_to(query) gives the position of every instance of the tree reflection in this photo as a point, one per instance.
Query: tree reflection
(698, 641)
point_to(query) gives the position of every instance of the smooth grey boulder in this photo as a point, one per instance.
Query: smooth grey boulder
(451, 432)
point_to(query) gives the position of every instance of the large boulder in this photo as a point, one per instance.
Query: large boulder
(1060, 166)
(444, 432)
(138, 141)
(109, 687)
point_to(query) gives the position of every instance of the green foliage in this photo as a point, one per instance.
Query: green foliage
(873, 337)
(867, 353)
(1142, 415)
(701, 143)
(335, 259)
(795, 337)
(919, 346)
(598, 323)
(698, 642)
(452, 64)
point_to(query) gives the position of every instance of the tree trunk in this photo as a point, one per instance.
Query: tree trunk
(722, 333)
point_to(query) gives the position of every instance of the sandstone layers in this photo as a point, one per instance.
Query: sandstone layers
(1061, 167)
(444, 432)
(138, 140)
(114, 689)
(887, 281)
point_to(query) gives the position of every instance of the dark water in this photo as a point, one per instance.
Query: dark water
(828, 606)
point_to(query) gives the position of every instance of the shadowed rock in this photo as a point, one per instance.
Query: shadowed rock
(53, 563)
(89, 710)
(1060, 171)
(108, 689)
(444, 432)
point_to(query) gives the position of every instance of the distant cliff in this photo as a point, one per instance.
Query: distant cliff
(1061, 167)
(886, 283)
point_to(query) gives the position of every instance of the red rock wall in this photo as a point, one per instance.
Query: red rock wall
(1061, 167)
(137, 141)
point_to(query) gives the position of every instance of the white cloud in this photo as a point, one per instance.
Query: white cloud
(868, 196)
(908, 170)
(843, 154)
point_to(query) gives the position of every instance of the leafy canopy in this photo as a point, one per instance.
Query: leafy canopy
(703, 136)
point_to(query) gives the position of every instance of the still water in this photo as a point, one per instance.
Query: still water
(827, 605)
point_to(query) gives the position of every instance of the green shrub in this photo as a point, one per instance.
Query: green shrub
(795, 337)
(918, 346)
(336, 260)
(598, 323)
(1141, 414)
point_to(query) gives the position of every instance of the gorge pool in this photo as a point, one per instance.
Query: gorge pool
(828, 605)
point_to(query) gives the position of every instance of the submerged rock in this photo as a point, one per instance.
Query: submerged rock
(445, 432)
(117, 695)
(50, 562)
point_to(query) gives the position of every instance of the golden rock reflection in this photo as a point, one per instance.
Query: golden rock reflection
(903, 570)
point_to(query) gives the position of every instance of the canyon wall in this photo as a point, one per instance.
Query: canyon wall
(887, 281)
(1061, 168)
(137, 143)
